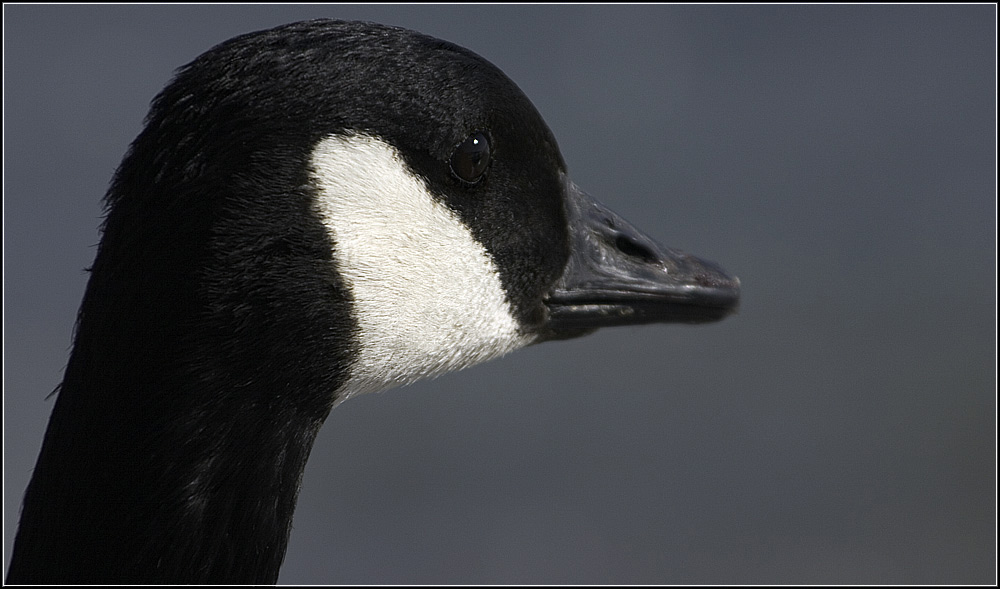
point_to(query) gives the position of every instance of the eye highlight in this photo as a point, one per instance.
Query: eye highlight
(471, 158)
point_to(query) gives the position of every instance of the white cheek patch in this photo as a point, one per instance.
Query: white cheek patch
(427, 295)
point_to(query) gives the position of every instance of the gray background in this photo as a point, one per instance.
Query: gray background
(840, 429)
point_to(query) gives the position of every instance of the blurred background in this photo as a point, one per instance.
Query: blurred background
(841, 160)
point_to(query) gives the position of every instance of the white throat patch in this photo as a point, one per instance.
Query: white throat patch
(427, 295)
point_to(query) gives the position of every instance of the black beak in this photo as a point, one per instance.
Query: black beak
(616, 275)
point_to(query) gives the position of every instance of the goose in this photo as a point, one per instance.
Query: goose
(311, 212)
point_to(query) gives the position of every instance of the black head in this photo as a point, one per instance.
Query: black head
(227, 311)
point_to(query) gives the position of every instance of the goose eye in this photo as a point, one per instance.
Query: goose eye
(471, 158)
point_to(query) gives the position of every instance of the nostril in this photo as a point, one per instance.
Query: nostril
(631, 248)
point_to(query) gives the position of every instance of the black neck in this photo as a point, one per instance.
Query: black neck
(110, 504)
(163, 463)
(208, 352)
